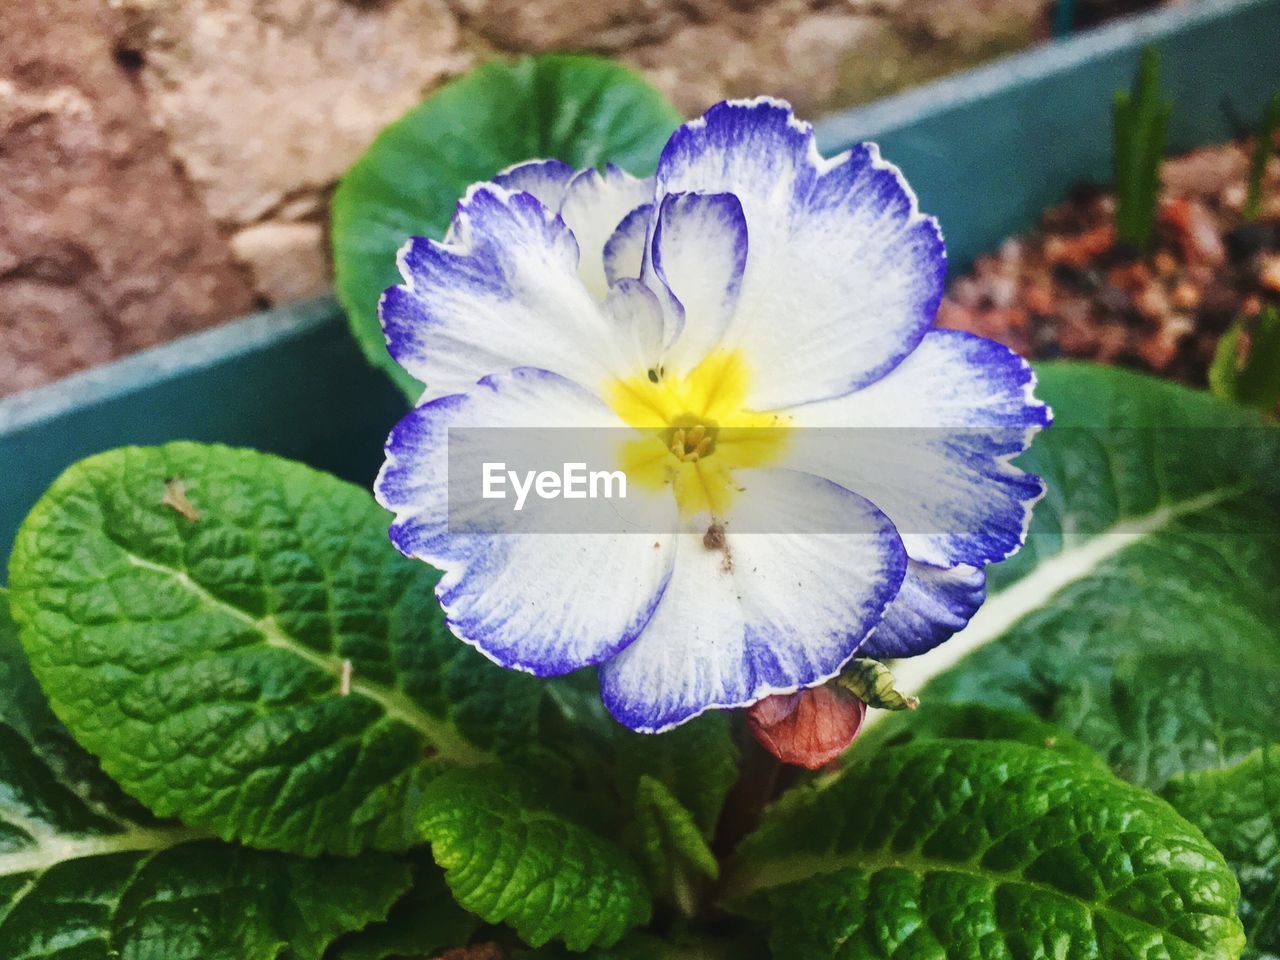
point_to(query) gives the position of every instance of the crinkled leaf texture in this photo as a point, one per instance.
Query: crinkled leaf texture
(1144, 614)
(580, 110)
(992, 850)
(423, 922)
(666, 839)
(973, 721)
(86, 874)
(201, 655)
(697, 762)
(1238, 808)
(510, 856)
(1143, 617)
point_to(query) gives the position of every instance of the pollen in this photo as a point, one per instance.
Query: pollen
(693, 443)
(703, 430)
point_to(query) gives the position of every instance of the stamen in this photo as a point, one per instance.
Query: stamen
(677, 442)
(693, 440)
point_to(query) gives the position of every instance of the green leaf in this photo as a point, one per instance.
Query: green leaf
(666, 839)
(1239, 811)
(674, 786)
(510, 858)
(972, 721)
(423, 922)
(960, 848)
(643, 947)
(199, 653)
(1264, 144)
(1143, 617)
(581, 110)
(87, 874)
(697, 762)
(1255, 382)
(1139, 118)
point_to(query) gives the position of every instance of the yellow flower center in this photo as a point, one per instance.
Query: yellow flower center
(695, 431)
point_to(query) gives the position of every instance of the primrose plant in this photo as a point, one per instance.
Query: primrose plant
(239, 724)
(749, 293)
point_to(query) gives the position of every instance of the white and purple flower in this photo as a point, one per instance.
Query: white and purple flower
(750, 288)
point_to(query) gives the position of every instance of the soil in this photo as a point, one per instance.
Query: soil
(1069, 289)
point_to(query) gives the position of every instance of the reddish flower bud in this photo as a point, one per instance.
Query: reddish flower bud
(810, 728)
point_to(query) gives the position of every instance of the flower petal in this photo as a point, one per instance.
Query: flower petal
(594, 205)
(960, 408)
(844, 273)
(635, 309)
(933, 604)
(770, 613)
(548, 180)
(503, 293)
(624, 251)
(698, 254)
(546, 603)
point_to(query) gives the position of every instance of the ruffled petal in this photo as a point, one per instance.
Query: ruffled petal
(766, 613)
(933, 604)
(545, 603)
(930, 445)
(548, 180)
(504, 293)
(624, 252)
(594, 205)
(698, 254)
(844, 273)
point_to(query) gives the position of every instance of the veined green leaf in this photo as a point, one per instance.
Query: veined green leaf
(87, 874)
(960, 848)
(674, 786)
(260, 662)
(581, 110)
(1143, 616)
(1239, 810)
(423, 922)
(642, 947)
(972, 721)
(697, 762)
(665, 837)
(509, 857)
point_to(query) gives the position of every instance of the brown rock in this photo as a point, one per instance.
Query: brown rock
(287, 260)
(104, 248)
(604, 25)
(1199, 235)
(1269, 271)
(821, 55)
(264, 99)
(1204, 172)
(1185, 295)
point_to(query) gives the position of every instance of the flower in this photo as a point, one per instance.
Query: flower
(749, 292)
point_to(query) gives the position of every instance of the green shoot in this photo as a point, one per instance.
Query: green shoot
(1256, 381)
(1264, 140)
(1139, 119)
